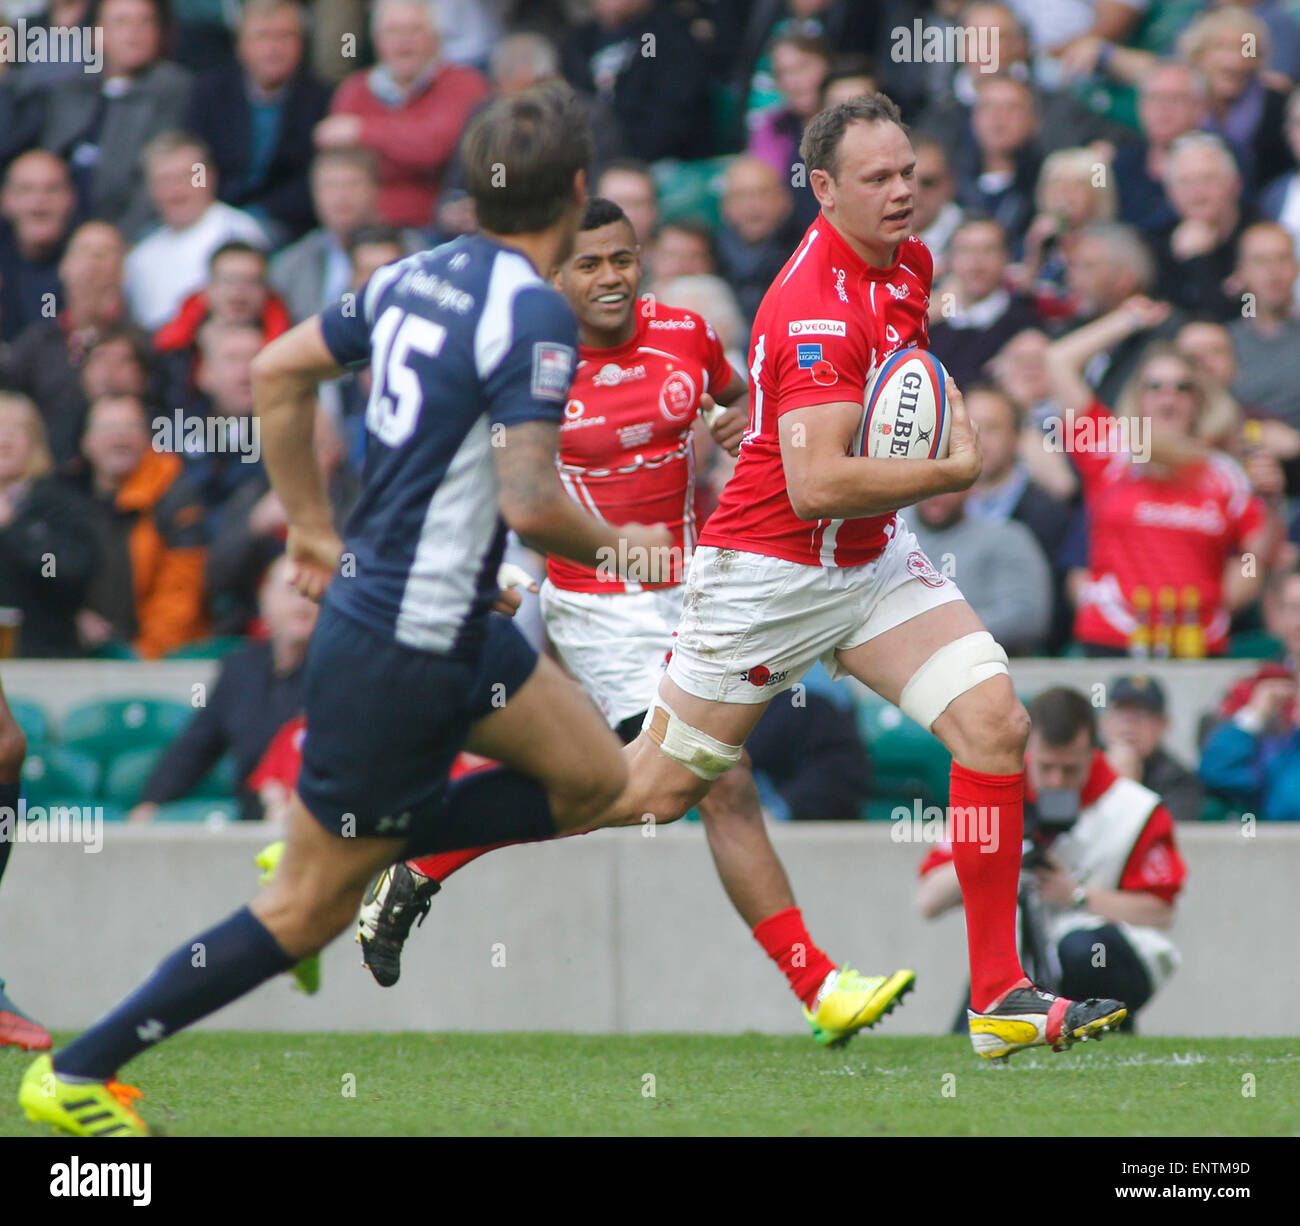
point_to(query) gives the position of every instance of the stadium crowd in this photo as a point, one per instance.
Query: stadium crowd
(1112, 199)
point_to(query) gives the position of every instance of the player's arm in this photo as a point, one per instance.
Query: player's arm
(939, 891)
(286, 375)
(825, 482)
(727, 413)
(535, 505)
(1129, 907)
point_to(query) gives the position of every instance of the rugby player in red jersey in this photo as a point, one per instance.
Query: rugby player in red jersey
(627, 450)
(805, 559)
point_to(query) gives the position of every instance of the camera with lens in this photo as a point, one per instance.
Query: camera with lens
(1052, 814)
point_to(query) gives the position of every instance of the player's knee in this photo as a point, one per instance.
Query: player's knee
(13, 750)
(305, 920)
(989, 724)
(577, 805)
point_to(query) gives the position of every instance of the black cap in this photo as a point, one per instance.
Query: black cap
(1138, 690)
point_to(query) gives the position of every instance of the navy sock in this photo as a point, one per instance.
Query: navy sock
(499, 806)
(9, 807)
(200, 977)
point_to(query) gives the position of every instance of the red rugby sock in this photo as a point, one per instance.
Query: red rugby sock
(442, 864)
(989, 879)
(788, 944)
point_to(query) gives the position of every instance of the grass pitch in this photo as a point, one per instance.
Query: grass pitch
(321, 1085)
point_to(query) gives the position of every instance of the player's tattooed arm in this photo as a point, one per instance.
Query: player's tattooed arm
(534, 504)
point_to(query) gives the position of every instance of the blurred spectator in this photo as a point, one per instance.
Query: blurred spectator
(630, 185)
(148, 523)
(1206, 344)
(231, 450)
(800, 63)
(37, 204)
(1000, 568)
(1245, 109)
(935, 213)
(1005, 490)
(620, 57)
(811, 754)
(998, 170)
(1169, 518)
(315, 272)
(257, 118)
(1075, 190)
(1108, 265)
(237, 293)
(1171, 102)
(850, 76)
(169, 265)
(47, 546)
(45, 361)
(1265, 338)
(253, 528)
(22, 107)
(1252, 756)
(37, 77)
(100, 123)
(1197, 254)
(519, 62)
(847, 25)
(758, 230)
(682, 249)
(411, 109)
(1133, 725)
(1280, 200)
(972, 313)
(118, 363)
(1019, 371)
(257, 689)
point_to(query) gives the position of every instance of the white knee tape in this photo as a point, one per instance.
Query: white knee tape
(955, 668)
(700, 753)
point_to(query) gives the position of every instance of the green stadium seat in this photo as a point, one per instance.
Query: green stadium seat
(115, 651)
(1216, 809)
(1254, 645)
(906, 760)
(126, 775)
(690, 190)
(207, 649)
(33, 720)
(199, 810)
(110, 727)
(54, 772)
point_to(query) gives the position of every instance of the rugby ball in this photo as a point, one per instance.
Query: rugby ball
(906, 415)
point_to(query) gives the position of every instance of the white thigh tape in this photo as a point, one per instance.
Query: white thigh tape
(700, 753)
(955, 668)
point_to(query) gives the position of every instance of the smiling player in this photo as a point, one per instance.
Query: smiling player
(627, 452)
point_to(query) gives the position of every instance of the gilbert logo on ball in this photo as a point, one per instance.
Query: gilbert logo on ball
(906, 413)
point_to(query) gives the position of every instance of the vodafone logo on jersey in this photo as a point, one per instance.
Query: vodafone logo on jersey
(818, 327)
(574, 419)
(678, 398)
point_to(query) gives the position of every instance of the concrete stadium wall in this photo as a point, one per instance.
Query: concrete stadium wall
(614, 932)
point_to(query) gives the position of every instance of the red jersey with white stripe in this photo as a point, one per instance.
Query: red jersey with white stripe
(626, 452)
(824, 326)
(1144, 532)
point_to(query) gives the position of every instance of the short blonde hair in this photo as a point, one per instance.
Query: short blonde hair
(40, 462)
(1080, 164)
(1194, 41)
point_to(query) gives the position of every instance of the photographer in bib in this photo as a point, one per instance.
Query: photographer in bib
(1101, 870)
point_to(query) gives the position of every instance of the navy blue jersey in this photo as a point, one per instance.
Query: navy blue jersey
(462, 341)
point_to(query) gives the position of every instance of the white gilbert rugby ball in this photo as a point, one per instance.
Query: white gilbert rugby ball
(907, 414)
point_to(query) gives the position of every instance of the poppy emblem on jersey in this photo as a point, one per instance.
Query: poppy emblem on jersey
(678, 398)
(824, 374)
(552, 371)
(922, 568)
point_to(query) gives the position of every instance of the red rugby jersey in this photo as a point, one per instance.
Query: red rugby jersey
(625, 444)
(1152, 533)
(824, 326)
